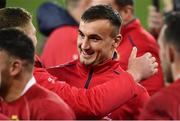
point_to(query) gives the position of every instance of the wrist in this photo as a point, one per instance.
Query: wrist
(135, 75)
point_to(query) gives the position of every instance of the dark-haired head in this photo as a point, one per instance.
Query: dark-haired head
(17, 45)
(103, 12)
(169, 41)
(172, 29)
(18, 17)
(14, 17)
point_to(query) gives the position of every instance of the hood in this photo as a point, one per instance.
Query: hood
(51, 16)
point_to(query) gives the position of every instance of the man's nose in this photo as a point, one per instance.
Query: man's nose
(85, 44)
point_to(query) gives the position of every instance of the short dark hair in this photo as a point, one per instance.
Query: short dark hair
(14, 17)
(17, 44)
(103, 12)
(122, 3)
(172, 31)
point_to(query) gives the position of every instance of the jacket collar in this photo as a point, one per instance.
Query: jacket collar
(37, 62)
(106, 65)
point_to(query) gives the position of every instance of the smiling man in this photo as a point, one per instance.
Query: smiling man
(98, 61)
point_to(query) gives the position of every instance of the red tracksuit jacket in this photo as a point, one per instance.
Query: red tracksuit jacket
(79, 76)
(37, 104)
(93, 103)
(135, 35)
(164, 105)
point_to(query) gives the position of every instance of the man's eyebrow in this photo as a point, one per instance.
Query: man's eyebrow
(95, 35)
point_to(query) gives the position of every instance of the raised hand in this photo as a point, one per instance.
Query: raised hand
(142, 67)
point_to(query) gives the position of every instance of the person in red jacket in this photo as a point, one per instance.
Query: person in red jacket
(134, 35)
(21, 97)
(165, 104)
(87, 104)
(98, 63)
(61, 26)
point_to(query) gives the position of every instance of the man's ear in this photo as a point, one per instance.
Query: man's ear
(16, 67)
(117, 40)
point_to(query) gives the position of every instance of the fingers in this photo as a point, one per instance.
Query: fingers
(153, 65)
(148, 55)
(153, 59)
(133, 53)
(154, 68)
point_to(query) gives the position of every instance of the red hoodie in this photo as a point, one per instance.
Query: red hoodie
(135, 35)
(78, 75)
(93, 103)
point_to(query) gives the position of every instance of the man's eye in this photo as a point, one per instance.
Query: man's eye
(94, 39)
(81, 36)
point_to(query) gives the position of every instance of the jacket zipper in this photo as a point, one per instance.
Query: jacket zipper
(88, 79)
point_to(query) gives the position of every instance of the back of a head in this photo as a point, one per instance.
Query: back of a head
(14, 17)
(17, 45)
(122, 3)
(172, 31)
(103, 12)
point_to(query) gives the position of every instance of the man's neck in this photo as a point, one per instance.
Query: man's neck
(17, 88)
(128, 21)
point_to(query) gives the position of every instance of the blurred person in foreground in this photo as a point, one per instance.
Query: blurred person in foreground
(21, 97)
(91, 103)
(165, 105)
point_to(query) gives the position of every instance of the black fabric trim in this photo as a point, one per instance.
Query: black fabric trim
(131, 41)
(88, 79)
(116, 72)
(115, 56)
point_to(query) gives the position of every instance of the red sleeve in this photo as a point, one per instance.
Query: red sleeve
(92, 103)
(132, 109)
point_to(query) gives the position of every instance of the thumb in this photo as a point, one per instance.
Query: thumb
(133, 53)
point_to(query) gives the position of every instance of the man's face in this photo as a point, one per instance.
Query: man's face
(95, 42)
(164, 56)
(31, 32)
(5, 63)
